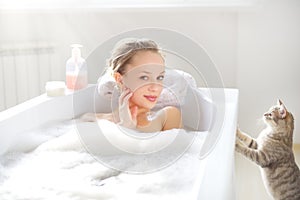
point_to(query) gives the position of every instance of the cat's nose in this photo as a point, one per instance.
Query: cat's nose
(267, 114)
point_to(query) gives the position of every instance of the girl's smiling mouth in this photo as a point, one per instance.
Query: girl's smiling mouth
(150, 98)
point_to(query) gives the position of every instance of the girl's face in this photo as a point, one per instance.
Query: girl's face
(144, 77)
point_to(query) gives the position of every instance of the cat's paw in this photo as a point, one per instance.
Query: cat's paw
(239, 133)
(238, 145)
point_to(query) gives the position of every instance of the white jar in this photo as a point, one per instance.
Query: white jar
(55, 88)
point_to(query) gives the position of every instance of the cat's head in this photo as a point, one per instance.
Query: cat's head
(279, 117)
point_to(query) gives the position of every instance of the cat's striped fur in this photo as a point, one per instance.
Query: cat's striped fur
(273, 152)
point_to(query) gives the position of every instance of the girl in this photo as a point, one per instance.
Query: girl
(138, 68)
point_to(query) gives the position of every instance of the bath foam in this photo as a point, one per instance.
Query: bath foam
(61, 168)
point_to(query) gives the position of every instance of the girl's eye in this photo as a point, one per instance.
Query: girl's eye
(145, 78)
(160, 78)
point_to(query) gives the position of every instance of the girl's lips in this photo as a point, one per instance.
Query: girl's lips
(150, 98)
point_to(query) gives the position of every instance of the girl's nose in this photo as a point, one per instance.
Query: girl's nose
(153, 87)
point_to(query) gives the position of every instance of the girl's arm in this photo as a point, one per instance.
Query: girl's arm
(92, 117)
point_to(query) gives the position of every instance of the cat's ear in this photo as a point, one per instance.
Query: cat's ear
(282, 109)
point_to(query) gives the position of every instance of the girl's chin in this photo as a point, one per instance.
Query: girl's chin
(144, 105)
(148, 107)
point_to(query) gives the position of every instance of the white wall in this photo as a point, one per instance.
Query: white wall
(268, 68)
(268, 61)
(255, 50)
(215, 30)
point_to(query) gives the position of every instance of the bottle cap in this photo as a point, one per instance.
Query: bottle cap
(76, 53)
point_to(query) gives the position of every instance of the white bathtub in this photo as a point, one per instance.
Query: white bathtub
(214, 180)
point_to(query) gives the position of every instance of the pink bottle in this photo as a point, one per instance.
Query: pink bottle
(76, 70)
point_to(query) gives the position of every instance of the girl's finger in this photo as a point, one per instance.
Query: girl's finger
(134, 112)
(123, 95)
(126, 98)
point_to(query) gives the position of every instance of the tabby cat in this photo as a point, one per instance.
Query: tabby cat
(273, 152)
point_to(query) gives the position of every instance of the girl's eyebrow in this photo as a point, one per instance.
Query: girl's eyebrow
(146, 72)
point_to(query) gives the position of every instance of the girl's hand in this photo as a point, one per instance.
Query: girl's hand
(127, 115)
(88, 117)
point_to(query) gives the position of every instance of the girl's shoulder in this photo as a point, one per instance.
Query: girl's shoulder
(172, 109)
(171, 118)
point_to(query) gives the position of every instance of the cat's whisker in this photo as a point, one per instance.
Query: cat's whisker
(260, 120)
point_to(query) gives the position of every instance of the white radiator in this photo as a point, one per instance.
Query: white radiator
(24, 70)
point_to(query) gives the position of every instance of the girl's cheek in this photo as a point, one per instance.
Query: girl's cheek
(131, 84)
